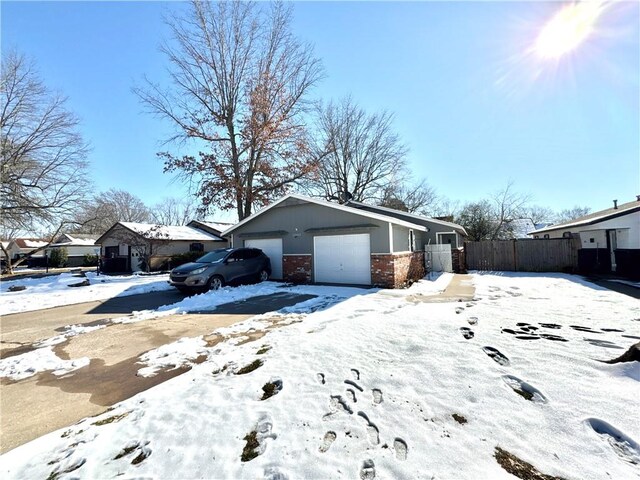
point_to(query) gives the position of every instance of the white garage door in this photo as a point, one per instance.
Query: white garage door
(272, 247)
(342, 259)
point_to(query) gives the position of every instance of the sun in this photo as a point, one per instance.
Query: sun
(568, 29)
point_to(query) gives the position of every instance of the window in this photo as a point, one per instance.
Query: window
(546, 235)
(111, 252)
(412, 241)
(592, 240)
(196, 247)
(566, 235)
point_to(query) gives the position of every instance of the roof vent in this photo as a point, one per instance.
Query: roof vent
(638, 198)
(615, 204)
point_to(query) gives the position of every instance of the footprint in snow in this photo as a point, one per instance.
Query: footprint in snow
(602, 343)
(626, 447)
(354, 385)
(400, 447)
(272, 473)
(377, 396)
(320, 378)
(472, 320)
(327, 440)
(554, 326)
(355, 374)
(351, 395)
(459, 310)
(339, 404)
(496, 355)
(373, 434)
(368, 470)
(525, 390)
(467, 332)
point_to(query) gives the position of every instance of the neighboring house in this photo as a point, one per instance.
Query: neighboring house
(21, 247)
(310, 240)
(609, 239)
(520, 227)
(215, 228)
(127, 246)
(78, 246)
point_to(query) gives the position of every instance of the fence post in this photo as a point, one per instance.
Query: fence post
(515, 255)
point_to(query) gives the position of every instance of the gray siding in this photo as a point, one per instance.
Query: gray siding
(296, 217)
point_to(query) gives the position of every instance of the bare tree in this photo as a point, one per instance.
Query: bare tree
(360, 154)
(418, 198)
(572, 213)
(240, 80)
(539, 214)
(42, 156)
(477, 218)
(173, 211)
(109, 208)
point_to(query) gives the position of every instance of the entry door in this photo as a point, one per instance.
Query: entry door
(272, 248)
(136, 258)
(612, 240)
(342, 259)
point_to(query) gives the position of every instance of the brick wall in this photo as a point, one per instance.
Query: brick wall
(296, 268)
(458, 260)
(394, 271)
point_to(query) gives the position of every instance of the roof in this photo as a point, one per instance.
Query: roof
(454, 226)
(30, 242)
(593, 218)
(336, 206)
(521, 226)
(215, 226)
(168, 232)
(152, 231)
(77, 239)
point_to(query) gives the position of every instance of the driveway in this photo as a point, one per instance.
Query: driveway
(44, 402)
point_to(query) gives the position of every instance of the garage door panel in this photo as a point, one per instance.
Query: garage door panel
(343, 259)
(272, 247)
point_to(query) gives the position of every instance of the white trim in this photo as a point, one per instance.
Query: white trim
(231, 241)
(344, 208)
(390, 238)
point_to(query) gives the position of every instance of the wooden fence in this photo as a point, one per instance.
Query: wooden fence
(526, 255)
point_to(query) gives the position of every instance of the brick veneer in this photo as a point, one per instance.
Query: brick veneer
(458, 260)
(396, 270)
(296, 268)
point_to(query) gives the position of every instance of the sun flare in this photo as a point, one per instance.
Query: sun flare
(568, 29)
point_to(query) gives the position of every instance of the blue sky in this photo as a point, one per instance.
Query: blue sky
(475, 110)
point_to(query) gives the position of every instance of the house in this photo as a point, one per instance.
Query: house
(78, 246)
(21, 247)
(609, 239)
(128, 246)
(310, 240)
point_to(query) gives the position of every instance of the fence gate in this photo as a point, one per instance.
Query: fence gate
(438, 258)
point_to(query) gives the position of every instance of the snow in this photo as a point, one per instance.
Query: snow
(40, 360)
(168, 232)
(54, 291)
(369, 382)
(34, 243)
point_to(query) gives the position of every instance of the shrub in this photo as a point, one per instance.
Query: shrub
(181, 259)
(90, 260)
(58, 257)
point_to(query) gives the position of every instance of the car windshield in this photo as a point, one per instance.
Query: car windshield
(215, 256)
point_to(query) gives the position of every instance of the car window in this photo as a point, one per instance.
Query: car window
(253, 253)
(214, 257)
(237, 256)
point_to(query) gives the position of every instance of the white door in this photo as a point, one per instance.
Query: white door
(342, 259)
(272, 247)
(137, 253)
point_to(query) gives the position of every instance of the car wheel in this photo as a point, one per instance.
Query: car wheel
(216, 282)
(263, 276)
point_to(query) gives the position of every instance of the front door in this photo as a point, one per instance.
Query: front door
(612, 242)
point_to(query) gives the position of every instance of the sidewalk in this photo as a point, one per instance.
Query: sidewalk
(459, 289)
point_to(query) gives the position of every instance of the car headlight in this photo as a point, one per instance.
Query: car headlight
(198, 271)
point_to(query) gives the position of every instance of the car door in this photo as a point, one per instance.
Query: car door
(234, 266)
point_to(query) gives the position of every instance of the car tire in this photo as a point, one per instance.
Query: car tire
(215, 283)
(263, 276)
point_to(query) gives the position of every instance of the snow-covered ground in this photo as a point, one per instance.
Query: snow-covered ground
(54, 290)
(367, 388)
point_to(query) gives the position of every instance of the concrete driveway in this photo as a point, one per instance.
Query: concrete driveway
(43, 403)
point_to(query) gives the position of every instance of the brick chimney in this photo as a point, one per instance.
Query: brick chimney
(615, 204)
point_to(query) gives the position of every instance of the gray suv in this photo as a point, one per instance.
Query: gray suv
(221, 267)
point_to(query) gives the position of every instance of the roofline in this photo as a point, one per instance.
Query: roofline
(99, 239)
(336, 206)
(583, 223)
(412, 215)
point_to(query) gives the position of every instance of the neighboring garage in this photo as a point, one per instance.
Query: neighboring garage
(310, 240)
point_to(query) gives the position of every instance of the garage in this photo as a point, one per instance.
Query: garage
(272, 247)
(342, 259)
